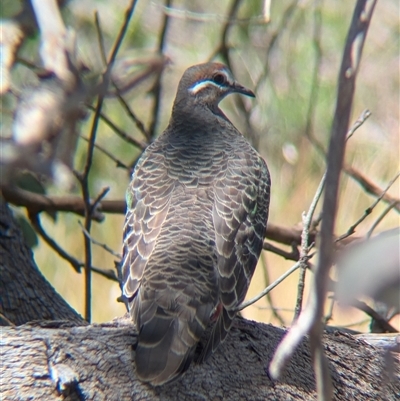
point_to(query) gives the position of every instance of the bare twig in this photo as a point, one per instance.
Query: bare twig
(125, 105)
(275, 312)
(386, 326)
(305, 247)
(369, 210)
(213, 18)
(75, 263)
(119, 163)
(122, 134)
(358, 123)
(274, 37)
(307, 220)
(286, 235)
(309, 320)
(100, 244)
(4, 321)
(36, 203)
(370, 187)
(100, 38)
(139, 124)
(223, 48)
(84, 180)
(156, 91)
(84, 176)
(293, 255)
(98, 198)
(110, 274)
(35, 221)
(269, 288)
(312, 102)
(380, 218)
(329, 315)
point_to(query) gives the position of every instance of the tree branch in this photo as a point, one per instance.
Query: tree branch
(310, 319)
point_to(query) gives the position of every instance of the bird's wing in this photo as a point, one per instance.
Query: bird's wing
(148, 200)
(168, 269)
(240, 213)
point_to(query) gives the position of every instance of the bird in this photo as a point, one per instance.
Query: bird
(197, 210)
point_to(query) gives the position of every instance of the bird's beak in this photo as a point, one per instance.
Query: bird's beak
(237, 88)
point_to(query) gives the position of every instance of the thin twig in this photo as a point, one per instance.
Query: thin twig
(156, 91)
(329, 315)
(100, 38)
(118, 163)
(109, 274)
(380, 218)
(269, 288)
(310, 319)
(213, 18)
(100, 244)
(273, 41)
(36, 223)
(370, 187)
(84, 181)
(368, 211)
(129, 111)
(75, 263)
(139, 124)
(358, 123)
(4, 321)
(98, 199)
(223, 48)
(84, 176)
(386, 326)
(122, 134)
(316, 41)
(293, 255)
(268, 297)
(305, 247)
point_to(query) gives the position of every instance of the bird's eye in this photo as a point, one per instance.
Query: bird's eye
(219, 79)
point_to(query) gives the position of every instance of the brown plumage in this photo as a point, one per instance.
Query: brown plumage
(197, 214)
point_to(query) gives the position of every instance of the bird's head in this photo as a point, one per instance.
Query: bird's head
(207, 84)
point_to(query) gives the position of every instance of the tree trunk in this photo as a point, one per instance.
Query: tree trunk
(25, 295)
(60, 360)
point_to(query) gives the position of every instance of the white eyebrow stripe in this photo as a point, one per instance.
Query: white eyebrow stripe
(201, 85)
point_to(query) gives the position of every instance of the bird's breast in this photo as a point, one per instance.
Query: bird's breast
(196, 160)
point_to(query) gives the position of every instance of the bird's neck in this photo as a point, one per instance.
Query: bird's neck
(185, 110)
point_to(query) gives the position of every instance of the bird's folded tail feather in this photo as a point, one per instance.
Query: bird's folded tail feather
(167, 343)
(218, 334)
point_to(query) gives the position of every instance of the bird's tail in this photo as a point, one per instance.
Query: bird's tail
(167, 341)
(218, 334)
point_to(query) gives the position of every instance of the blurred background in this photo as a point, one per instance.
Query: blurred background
(289, 52)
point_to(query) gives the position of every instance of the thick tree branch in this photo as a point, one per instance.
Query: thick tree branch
(95, 363)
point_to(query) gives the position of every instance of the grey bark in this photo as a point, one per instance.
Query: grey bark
(62, 360)
(95, 363)
(25, 295)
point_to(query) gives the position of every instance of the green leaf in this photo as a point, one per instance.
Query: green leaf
(27, 230)
(30, 182)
